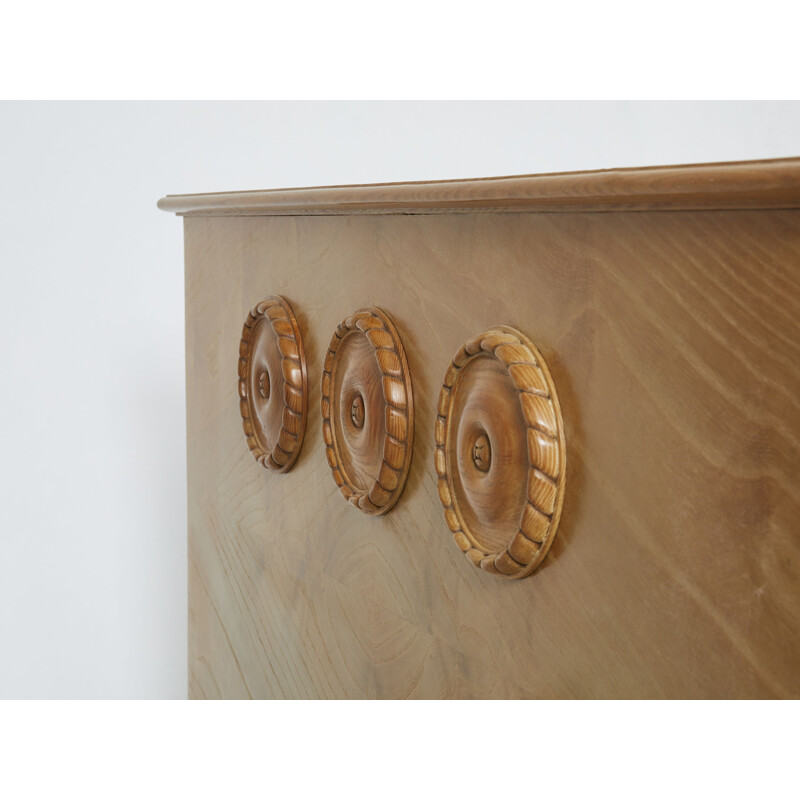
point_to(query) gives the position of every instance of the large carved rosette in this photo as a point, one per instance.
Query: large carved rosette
(500, 453)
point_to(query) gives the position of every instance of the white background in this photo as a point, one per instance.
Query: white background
(92, 461)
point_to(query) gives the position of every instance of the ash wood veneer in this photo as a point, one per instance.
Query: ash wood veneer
(673, 340)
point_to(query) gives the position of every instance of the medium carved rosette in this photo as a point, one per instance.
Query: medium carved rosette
(368, 411)
(500, 453)
(273, 385)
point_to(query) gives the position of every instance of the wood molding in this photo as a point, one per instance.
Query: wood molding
(500, 453)
(273, 384)
(368, 411)
(742, 185)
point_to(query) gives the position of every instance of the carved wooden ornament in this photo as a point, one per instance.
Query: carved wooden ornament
(368, 411)
(500, 453)
(273, 385)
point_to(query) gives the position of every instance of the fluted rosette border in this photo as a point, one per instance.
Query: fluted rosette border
(293, 385)
(546, 448)
(377, 326)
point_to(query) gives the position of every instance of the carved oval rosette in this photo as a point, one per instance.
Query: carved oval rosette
(273, 394)
(540, 444)
(369, 432)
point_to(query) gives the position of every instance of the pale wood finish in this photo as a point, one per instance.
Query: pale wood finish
(674, 342)
(737, 185)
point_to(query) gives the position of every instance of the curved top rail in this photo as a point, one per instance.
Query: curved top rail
(736, 185)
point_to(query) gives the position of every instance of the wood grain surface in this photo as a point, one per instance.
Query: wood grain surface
(674, 341)
(738, 185)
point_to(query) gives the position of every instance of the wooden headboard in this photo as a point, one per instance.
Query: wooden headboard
(662, 304)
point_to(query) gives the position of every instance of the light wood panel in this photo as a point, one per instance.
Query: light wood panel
(674, 342)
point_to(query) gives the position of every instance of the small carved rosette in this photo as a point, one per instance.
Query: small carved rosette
(500, 453)
(368, 411)
(273, 385)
